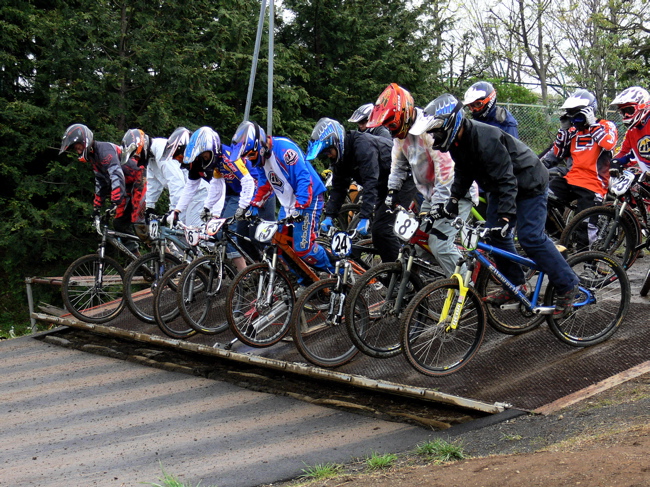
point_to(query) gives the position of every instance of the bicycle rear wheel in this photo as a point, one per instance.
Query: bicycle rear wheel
(252, 320)
(318, 325)
(596, 229)
(165, 306)
(203, 288)
(509, 321)
(372, 321)
(93, 289)
(591, 323)
(430, 346)
(141, 280)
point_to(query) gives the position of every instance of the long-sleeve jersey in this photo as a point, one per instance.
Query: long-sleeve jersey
(636, 146)
(289, 176)
(590, 151)
(501, 118)
(163, 174)
(433, 171)
(110, 179)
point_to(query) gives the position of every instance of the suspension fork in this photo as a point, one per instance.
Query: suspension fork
(265, 296)
(406, 275)
(101, 251)
(617, 218)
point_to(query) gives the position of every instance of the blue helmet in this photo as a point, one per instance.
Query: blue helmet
(203, 140)
(327, 133)
(249, 142)
(442, 118)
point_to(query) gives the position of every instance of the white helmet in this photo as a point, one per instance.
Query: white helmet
(633, 104)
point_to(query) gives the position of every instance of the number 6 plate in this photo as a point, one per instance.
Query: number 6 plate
(405, 225)
(341, 244)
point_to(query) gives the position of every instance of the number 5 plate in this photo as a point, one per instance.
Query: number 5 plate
(341, 244)
(405, 225)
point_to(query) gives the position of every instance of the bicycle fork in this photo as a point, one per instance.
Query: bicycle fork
(335, 312)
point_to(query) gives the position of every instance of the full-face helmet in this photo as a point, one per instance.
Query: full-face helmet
(394, 109)
(327, 134)
(361, 114)
(135, 144)
(77, 133)
(441, 118)
(176, 143)
(480, 98)
(249, 142)
(203, 140)
(578, 106)
(633, 104)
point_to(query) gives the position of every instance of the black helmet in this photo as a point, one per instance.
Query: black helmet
(135, 143)
(176, 143)
(362, 113)
(77, 133)
(442, 119)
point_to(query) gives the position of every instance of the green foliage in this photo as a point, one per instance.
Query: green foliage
(169, 480)
(379, 462)
(440, 451)
(321, 471)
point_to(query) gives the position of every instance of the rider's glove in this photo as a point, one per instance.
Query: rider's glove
(563, 138)
(590, 116)
(240, 214)
(614, 169)
(205, 214)
(252, 211)
(96, 213)
(389, 202)
(148, 212)
(598, 133)
(427, 220)
(363, 227)
(445, 210)
(503, 228)
(171, 218)
(326, 224)
(112, 211)
(295, 214)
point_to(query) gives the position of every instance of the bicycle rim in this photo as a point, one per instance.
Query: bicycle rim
(141, 280)
(166, 312)
(318, 325)
(593, 323)
(372, 321)
(90, 298)
(430, 346)
(254, 321)
(203, 288)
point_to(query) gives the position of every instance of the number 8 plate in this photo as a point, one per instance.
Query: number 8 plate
(405, 225)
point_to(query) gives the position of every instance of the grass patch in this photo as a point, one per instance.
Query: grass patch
(507, 437)
(440, 451)
(321, 471)
(379, 462)
(169, 480)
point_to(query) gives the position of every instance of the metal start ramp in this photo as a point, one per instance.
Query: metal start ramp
(524, 372)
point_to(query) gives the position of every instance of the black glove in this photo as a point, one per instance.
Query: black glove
(240, 214)
(503, 228)
(614, 169)
(427, 221)
(565, 122)
(389, 202)
(445, 210)
(205, 214)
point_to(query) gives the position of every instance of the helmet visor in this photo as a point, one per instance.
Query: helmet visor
(314, 149)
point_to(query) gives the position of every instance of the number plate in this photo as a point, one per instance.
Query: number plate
(265, 231)
(405, 225)
(621, 184)
(192, 235)
(154, 229)
(341, 244)
(214, 226)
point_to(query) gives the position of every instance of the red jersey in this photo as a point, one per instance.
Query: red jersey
(636, 146)
(590, 152)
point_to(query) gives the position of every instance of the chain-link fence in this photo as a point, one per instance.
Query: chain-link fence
(538, 124)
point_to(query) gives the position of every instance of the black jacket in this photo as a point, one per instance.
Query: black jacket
(366, 160)
(499, 163)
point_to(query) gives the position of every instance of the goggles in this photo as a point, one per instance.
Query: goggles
(627, 110)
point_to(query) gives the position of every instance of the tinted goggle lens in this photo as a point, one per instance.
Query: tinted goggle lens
(629, 110)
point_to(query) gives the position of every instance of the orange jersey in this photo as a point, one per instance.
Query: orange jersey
(590, 150)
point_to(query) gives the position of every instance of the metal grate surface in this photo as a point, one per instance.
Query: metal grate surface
(526, 371)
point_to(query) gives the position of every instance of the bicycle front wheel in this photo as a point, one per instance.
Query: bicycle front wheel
(258, 311)
(430, 344)
(592, 320)
(203, 288)
(645, 288)
(596, 228)
(141, 280)
(318, 325)
(165, 306)
(93, 289)
(372, 320)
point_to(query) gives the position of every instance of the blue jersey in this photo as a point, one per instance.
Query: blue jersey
(288, 175)
(501, 118)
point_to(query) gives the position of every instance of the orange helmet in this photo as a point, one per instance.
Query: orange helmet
(395, 110)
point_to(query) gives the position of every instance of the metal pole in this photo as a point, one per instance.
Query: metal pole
(251, 81)
(269, 117)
